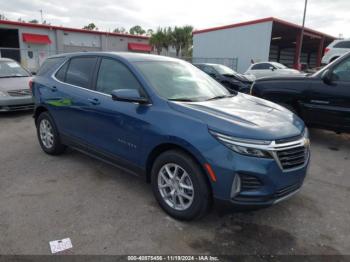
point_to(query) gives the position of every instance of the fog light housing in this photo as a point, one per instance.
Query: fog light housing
(236, 186)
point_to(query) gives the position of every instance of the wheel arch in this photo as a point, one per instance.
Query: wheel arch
(38, 111)
(161, 148)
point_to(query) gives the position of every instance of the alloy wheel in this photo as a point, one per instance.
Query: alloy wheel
(46, 133)
(175, 186)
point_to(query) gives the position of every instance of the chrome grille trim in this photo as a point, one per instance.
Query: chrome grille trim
(20, 92)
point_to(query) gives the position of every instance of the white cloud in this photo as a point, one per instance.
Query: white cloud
(331, 17)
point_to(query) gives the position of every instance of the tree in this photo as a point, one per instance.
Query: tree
(187, 41)
(149, 32)
(34, 21)
(177, 39)
(137, 30)
(3, 17)
(120, 30)
(168, 38)
(182, 39)
(157, 40)
(90, 26)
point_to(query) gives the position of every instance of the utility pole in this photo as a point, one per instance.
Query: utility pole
(41, 15)
(302, 35)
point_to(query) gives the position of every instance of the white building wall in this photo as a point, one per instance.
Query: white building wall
(250, 42)
(63, 41)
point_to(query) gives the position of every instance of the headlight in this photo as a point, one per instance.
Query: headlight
(248, 147)
(306, 133)
(3, 93)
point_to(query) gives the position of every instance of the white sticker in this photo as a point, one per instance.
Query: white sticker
(60, 245)
(13, 64)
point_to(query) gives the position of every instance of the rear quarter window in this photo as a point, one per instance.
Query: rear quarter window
(343, 44)
(49, 64)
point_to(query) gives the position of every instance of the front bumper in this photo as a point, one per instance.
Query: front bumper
(263, 181)
(9, 103)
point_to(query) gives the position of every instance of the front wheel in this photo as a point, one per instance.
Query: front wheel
(180, 186)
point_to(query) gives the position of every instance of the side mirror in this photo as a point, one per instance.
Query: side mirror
(272, 68)
(128, 95)
(327, 77)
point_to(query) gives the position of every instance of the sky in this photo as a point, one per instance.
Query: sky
(328, 16)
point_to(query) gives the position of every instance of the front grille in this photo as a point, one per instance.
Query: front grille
(286, 190)
(289, 139)
(21, 92)
(249, 182)
(17, 107)
(293, 158)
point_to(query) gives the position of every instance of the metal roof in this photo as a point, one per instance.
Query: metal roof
(68, 29)
(264, 20)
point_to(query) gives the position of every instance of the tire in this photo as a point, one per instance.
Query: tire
(198, 200)
(48, 135)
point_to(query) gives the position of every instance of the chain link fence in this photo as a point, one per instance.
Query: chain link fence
(229, 62)
(32, 58)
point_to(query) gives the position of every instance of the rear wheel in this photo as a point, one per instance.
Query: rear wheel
(180, 186)
(48, 135)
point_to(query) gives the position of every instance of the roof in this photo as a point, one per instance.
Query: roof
(69, 29)
(259, 21)
(132, 57)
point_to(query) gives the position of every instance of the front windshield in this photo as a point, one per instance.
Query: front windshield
(181, 81)
(224, 70)
(12, 69)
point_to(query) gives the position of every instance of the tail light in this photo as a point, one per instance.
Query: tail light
(326, 50)
(31, 83)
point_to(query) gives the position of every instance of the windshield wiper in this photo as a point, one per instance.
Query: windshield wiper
(181, 100)
(219, 97)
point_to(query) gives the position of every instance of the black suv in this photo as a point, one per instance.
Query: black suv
(321, 99)
(229, 78)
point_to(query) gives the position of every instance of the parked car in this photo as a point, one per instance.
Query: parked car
(229, 78)
(335, 50)
(322, 99)
(265, 69)
(14, 86)
(166, 120)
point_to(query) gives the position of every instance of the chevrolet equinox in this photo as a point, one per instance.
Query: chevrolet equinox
(166, 120)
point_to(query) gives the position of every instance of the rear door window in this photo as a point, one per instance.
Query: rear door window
(80, 71)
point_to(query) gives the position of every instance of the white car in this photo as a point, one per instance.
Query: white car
(264, 69)
(336, 49)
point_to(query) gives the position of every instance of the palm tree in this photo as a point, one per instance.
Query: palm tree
(177, 39)
(167, 41)
(157, 40)
(187, 40)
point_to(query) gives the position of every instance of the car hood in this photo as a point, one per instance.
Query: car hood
(240, 78)
(14, 83)
(244, 116)
(296, 77)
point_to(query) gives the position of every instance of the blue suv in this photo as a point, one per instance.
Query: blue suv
(165, 120)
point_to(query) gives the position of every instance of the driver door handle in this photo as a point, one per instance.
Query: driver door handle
(94, 101)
